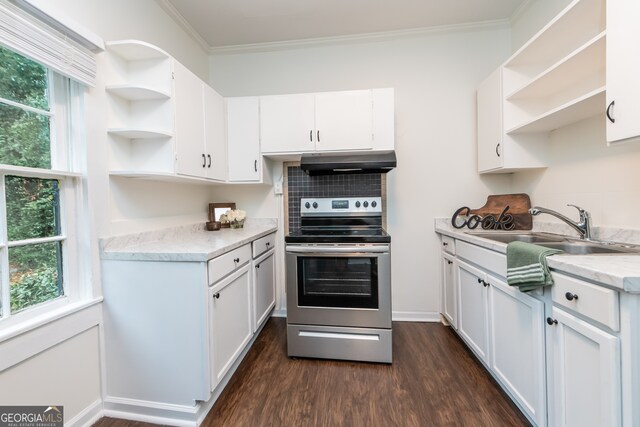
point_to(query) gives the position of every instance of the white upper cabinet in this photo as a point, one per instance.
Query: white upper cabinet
(329, 121)
(215, 143)
(190, 156)
(490, 144)
(557, 78)
(287, 123)
(163, 121)
(623, 69)
(344, 120)
(243, 139)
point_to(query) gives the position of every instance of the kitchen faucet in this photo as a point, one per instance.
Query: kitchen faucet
(583, 227)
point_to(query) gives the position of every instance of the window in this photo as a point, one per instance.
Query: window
(38, 188)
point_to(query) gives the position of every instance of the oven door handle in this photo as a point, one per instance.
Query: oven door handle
(337, 250)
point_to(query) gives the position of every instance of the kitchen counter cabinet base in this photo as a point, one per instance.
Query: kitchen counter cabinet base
(169, 331)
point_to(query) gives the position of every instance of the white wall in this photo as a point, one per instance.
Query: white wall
(434, 76)
(69, 373)
(582, 169)
(529, 20)
(63, 375)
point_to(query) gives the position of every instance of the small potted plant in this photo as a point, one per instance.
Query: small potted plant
(236, 217)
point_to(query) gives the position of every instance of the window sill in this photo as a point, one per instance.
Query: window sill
(22, 341)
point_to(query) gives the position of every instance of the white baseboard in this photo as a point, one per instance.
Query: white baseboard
(150, 412)
(415, 316)
(279, 313)
(88, 416)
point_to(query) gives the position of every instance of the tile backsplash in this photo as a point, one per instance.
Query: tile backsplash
(300, 185)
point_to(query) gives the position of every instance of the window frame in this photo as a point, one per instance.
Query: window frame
(66, 124)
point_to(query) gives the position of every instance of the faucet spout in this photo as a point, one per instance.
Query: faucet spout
(583, 226)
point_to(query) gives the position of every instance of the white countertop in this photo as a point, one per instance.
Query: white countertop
(185, 243)
(618, 271)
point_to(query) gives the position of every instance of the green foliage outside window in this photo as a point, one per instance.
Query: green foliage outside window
(32, 203)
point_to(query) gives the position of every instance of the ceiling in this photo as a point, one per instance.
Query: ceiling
(241, 22)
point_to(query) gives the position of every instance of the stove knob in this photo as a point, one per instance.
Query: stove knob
(307, 205)
(365, 204)
(315, 205)
(374, 204)
(357, 204)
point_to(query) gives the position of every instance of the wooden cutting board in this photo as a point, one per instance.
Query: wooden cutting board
(519, 205)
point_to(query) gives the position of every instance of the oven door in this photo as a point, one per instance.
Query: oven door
(338, 285)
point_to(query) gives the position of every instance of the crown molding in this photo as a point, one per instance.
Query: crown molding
(357, 38)
(183, 23)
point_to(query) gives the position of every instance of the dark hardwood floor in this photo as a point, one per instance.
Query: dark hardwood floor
(434, 381)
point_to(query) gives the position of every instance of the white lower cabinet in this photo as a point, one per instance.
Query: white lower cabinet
(176, 330)
(575, 367)
(584, 372)
(503, 327)
(449, 290)
(517, 346)
(230, 321)
(264, 288)
(473, 318)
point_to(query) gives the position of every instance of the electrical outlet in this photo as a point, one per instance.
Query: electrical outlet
(277, 188)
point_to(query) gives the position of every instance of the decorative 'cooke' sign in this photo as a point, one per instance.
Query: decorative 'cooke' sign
(463, 218)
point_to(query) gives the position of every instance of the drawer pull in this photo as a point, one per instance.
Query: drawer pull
(551, 321)
(571, 296)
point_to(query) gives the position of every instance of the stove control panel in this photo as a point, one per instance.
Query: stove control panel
(341, 205)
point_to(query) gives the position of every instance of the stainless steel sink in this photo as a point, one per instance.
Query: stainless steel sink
(556, 241)
(508, 237)
(585, 248)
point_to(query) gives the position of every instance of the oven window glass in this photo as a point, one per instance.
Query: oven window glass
(349, 282)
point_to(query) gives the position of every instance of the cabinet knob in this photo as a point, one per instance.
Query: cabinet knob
(209, 157)
(449, 262)
(268, 244)
(611, 119)
(445, 244)
(258, 266)
(480, 280)
(498, 150)
(551, 321)
(236, 260)
(216, 295)
(204, 161)
(570, 296)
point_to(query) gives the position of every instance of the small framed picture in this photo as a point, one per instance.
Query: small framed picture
(216, 210)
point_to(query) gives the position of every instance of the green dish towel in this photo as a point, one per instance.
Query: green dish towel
(527, 265)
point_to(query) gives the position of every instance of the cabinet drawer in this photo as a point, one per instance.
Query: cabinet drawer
(593, 301)
(225, 264)
(449, 245)
(487, 259)
(263, 244)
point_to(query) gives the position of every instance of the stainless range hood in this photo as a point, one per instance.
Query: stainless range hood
(348, 163)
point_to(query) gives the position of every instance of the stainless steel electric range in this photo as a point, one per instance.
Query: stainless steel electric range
(339, 281)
